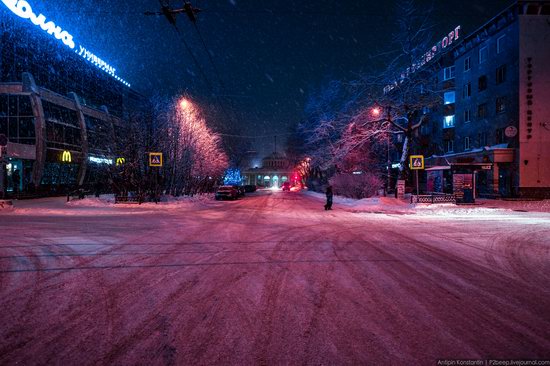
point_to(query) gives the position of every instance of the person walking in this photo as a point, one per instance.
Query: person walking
(16, 180)
(328, 205)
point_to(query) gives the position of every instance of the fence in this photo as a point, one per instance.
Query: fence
(434, 198)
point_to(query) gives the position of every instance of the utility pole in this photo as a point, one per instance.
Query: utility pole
(388, 163)
(3, 151)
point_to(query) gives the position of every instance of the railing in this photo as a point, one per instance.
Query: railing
(434, 198)
(129, 199)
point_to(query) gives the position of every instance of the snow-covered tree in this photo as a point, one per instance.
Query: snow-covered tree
(194, 158)
(397, 97)
(364, 114)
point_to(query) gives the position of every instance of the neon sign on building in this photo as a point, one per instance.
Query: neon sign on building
(100, 160)
(22, 9)
(428, 56)
(66, 157)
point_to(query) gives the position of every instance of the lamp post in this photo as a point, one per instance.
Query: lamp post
(376, 111)
(388, 164)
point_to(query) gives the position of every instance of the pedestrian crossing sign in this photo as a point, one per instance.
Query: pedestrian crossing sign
(155, 159)
(417, 162)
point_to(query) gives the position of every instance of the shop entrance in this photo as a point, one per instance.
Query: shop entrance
(504, 182)
(275, 182)
(14, 176)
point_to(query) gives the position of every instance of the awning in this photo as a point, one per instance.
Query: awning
(438, 167)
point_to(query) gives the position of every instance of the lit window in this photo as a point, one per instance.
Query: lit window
(467, 114)
(449, 97)
(467, 64)
(501, 41)
(448, 121)
(483, 55)
(449, 73)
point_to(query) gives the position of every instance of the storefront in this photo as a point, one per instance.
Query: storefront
(56, 103)
(487, 172)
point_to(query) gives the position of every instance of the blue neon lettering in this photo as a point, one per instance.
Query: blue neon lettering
(23, 9)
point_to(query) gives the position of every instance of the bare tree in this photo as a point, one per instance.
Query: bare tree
(379, 105)
(195, 160)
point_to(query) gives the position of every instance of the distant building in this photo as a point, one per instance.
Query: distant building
(492, 131)
(62, 108)
(275, 170)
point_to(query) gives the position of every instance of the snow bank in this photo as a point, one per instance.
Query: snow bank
(165, 202)
(6, 205)
(373, 204)
(89, 201)
(535, 206)
(393, 205)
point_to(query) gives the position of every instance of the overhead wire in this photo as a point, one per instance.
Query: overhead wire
(215, 68)
(199, 67)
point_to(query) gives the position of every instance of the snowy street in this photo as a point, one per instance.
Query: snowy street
(270, 279)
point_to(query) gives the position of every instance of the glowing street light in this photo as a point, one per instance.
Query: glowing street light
(376, 111)
(185, 104)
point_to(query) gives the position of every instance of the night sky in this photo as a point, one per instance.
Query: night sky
(270, 54)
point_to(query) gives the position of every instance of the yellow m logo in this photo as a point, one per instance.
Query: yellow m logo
(66, 157)
(120, 161)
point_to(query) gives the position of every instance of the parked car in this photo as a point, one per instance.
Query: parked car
(240, 190)
(286, 186)
(227, 193)
(249, 188)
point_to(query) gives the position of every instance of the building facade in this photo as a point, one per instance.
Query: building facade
(492, 131)
(63, 112)
(275, 170)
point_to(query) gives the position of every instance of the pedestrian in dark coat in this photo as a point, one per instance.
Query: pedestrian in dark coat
(328, 205)
(16, 180)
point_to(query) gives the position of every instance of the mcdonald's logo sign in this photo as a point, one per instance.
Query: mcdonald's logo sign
(66, 157)
(120, 161)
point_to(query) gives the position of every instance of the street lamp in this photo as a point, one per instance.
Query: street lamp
(185, 103)
(376, 112)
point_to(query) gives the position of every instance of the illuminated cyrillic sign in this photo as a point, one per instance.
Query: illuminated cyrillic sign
(427, 57)
(23, 9)
(441, 45)
(90, 57)
(98, 160)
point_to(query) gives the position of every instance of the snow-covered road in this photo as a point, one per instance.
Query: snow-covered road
(270, 279)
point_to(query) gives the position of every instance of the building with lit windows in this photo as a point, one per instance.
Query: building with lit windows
(275, 170)
(62, 108)
(492, 131)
